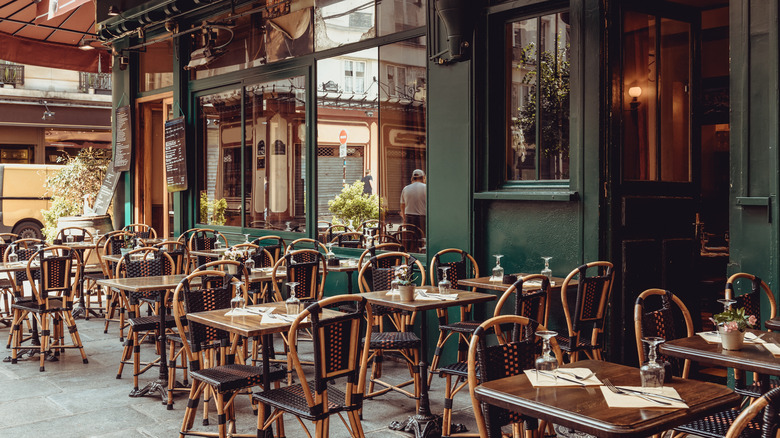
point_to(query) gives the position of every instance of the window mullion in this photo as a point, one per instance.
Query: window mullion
(538, 127)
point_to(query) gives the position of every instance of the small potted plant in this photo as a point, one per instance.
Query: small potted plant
(231, 255)
(731, 326)
(405, 281)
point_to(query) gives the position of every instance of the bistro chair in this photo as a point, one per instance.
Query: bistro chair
(387, 238)
(142, 231)
(351, 239)
(532, 304)
(204, 239)
(337, 358)
(463, 266)
(585, 320)
(492, 356)
(751, 301)
(24, 249)
(52, 303)
(322, 227)
(411, 236)
(114, 242)
(150, 262)
(178, 252)
(262, 259)
(366, 255)
(307, 267)
(273, 244)
(81, 234)
(657, 312)
(5, 284)
(212, 360)
(769, 404)
(376, 275)
(335, 230)
(305, 243)
(373, 225)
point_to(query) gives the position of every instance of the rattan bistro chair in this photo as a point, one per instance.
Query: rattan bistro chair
(532, 304)
(337, 357)
(585, 320)
(204, 239)
(504, 357)
(743, 425)
(57, 272)
(273, 244)
(208, 349)
(657, 312)
(142, 231)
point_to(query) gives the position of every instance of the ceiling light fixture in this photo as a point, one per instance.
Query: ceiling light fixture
(47, 113)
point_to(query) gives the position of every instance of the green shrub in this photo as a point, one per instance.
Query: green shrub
(353, 204)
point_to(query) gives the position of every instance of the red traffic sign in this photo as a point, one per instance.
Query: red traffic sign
(343, 137)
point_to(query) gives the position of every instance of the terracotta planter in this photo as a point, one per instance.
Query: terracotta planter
(731, 340)
(406, 292)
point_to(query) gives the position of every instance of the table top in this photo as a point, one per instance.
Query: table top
(249, 325)
(772, 324)
(584, 408)
(487, 284)
(394, 301)
(155, 282)
(752, 357)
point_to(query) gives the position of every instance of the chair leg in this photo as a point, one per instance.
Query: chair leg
(74, 334)
(16, 331)
(192, 406)
(45, 339)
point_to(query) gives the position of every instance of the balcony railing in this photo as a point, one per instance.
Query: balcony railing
(99, 82)
(11, 74)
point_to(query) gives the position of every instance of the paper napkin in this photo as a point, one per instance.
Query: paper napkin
(546, 381)
(632, 401)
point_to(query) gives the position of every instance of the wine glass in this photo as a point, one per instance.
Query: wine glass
(547, 272)
(330, 253)
(246, 238)
(293, 304)
(249, 264)
(237, 302)
(546, 362)
(70, 238)
(445, 287)
(217, 243)
(13, 257)
(289, 228)
(726, 303)
(652, 372)
(498, 270)
(350, 225)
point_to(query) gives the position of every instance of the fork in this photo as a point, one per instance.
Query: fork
(616, 390)
(569, 373)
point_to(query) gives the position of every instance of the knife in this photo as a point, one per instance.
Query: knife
(545, 373)
(650, 394)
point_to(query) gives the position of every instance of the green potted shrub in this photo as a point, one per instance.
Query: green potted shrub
(354, 205)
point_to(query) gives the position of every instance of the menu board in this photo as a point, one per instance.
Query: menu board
(175, 157)
(123, 142)
(107, 190)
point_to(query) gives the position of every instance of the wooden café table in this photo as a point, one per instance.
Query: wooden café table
(424, 423)
(249, 326)
(584, 408)
(485, 283)
(752, 357)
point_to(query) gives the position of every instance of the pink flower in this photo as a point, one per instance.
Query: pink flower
(752, 320)
(731, 326)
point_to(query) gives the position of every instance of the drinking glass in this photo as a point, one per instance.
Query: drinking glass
(652, 372)
(237, 302)
(69, 238)
(547, 272)
(249, 265)
(13, 257)
(217, 244)
(246, 238)
(293, 304)
(330, 253)
(498, 271)
(726, 303)
(546, 362)
(289, 228)
(350, 225)
(445, 287)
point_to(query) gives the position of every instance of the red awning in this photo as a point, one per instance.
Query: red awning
(28, 36)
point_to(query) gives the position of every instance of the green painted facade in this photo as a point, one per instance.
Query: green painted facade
(470, 207)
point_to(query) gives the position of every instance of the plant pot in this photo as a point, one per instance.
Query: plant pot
(731, 340)
(406, 292)
(231, 269)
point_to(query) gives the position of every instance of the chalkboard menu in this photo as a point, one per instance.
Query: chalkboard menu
(175, 158)
(107, 189)
(124, 139)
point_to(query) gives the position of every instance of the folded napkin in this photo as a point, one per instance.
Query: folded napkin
(632, 401)
(279, 318)
(772, 348)
(496, 279)
(546, 381)
(428, 296)
(537, 283)
(713, 337)
(248, 311)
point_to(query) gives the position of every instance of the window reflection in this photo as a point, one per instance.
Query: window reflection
(339, 22)
(155, 66)
(383, 128)
(256, 172)
(538, 80)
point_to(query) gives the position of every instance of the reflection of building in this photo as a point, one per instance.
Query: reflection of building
(43, 117)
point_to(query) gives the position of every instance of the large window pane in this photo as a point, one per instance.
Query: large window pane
(674, 83)
(384, 127)
(274, 165)
(339, 22)
(538, 98)
(399, 15)
(155, 66)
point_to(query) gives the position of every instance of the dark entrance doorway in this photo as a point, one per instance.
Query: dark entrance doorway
(669, 170)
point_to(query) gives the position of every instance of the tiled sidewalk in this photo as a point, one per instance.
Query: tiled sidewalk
(71, 399)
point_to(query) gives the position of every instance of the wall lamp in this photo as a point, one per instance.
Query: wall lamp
(459, 18)
(634, 93)
(47, 113)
